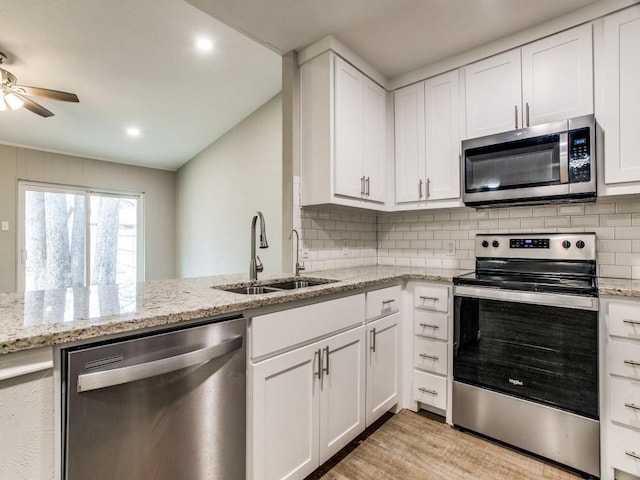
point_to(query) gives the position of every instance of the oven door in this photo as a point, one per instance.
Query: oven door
(535, 346)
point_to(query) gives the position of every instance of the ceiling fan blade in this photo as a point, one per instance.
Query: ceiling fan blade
(33, 106)
(47, 93)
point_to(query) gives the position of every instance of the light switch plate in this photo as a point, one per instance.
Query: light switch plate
(5, 226)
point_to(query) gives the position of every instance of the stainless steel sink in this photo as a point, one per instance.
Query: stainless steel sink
(273, 286)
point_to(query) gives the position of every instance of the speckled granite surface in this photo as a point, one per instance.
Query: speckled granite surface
(53, 317)
(619, 287)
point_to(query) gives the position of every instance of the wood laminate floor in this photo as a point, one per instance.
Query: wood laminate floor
(411, 446)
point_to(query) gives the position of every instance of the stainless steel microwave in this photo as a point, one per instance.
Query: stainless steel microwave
(554, 162)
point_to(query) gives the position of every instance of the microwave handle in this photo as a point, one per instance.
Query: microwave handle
(564, 158)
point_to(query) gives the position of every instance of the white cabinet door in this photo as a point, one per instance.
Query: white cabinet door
(410, 142)
(621, 95)
(374, 137)
(557, 77)
(493, 95)
(348, 128)
(27, 415)
(382, 366)
(285, 415)
(342, 401)
(442, 137)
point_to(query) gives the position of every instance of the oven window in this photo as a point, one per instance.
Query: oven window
(522, 164)
(544, 354)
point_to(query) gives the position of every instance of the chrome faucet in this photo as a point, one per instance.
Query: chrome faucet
(255, 265)
(298, 266)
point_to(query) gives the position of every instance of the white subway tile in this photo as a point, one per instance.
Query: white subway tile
(470, 225)
(460, 214)
(418, 262)
(403, 244)
(418, 244)
(615, 271)
(409, 235)
(572, 209)
(557, 222)
(600, 208)
(585, 221)
(459, 234)
(606, 258)
(409, 218)
(450, 263)
(434, 244)
(442, 235)
(533, 223)
(467, 264)
(386, 261)
(499, 213)
(546, 211)
(631, 233)
(628, 206)
(605, 233)
(418, 227)
(631, 259)
(617, 220)
(519, 212)
(433, 263)
(488, 224)
(635, 245)
(425, 217)
(427, 235)
(402, 262)
(395, 235)
(509, 223)
(478, 214)
(442, 216)
(614, 246)
(388, 244)
(467, 244)
(433, 226)
(635, 219)
(402, 227)
(425, 253)
(452, 225)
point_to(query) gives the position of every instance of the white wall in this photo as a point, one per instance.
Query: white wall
(157, 185)
(220, 189)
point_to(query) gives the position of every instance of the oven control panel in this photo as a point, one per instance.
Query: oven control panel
(551, 246)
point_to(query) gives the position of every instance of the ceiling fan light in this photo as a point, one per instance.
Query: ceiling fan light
(3, 104)
(13, 101)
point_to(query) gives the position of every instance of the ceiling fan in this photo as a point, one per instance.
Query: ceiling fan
(13, 96)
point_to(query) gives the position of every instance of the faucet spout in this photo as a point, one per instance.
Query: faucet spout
(298, 266)
(255, 265)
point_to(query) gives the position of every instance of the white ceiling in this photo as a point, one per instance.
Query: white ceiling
(393, 36)
(133, 63)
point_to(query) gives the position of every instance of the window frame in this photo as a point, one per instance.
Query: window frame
(87, 192)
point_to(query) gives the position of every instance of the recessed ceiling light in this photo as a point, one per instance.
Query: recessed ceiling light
(204, 44)
(133, 131)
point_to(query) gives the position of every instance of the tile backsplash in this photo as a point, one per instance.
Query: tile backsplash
(444, 238)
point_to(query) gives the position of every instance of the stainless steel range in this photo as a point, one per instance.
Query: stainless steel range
(525, 368)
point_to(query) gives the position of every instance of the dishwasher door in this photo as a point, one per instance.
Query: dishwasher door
(165, 406)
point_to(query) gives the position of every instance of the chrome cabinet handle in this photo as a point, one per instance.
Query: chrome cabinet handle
(387, 302)
(420, 188)
(326, 369)
(631, 322)
(435, 358)
(516, 116)
(527, 114)
(633, 406)
(366, 184)
(633, 363)
(319, 355)
(362, 185)
(426, 390)
(427, 184)
(633, 455)
(118, 376)
(373, 340)
(428, 325)
(424, 297)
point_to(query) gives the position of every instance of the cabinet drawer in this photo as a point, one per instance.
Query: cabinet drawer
(430, 355)
(624, 449)
(430, 389)
(624, 319)
(624, 401)
(430, 324)
(432, 298)
(291, 328)
(383, 302)
(624, 358)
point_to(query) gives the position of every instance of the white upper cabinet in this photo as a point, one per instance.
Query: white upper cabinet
(619, 68)
(428, 140)
(493, 95)
(557, 77)
(545, 81)
(343, 135)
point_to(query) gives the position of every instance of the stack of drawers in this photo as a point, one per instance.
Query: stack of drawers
(430, 347)
(623, 385)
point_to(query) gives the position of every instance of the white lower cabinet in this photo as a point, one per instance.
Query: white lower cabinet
(27, 415)
(308, 403)
(382, 366)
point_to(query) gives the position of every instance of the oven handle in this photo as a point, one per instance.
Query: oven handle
(537, 298)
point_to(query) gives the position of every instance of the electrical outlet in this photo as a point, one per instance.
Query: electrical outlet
(345, 249)
(451, 248)
(304, 254)
(5, 226)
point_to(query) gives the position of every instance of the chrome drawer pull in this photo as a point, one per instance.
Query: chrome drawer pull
(426, 390)
(632, 322)
(633, 363)
(432, 357)
(435, 299)
(387, 302)
(632, 405)
(633, 455)
(428, 325)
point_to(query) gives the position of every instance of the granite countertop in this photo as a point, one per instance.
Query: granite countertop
(619, 287)
(52, 317)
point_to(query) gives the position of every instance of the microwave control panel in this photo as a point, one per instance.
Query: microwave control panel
(579, 156)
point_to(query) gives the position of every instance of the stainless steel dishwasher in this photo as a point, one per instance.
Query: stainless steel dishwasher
(163, 406)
